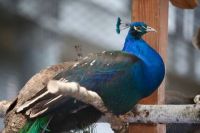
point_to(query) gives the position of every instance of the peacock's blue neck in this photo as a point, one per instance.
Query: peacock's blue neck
(153, 63)
(138, 47)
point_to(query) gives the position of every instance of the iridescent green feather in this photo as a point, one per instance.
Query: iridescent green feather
(35, 126)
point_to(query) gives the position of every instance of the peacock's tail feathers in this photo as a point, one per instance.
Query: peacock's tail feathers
(36, 126)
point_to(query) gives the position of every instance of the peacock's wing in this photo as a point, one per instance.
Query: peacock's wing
(94, 72)
(99, 68)
(38, 82)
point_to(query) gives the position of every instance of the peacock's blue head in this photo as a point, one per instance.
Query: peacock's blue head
(137, 29)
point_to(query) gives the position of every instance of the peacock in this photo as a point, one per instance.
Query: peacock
(121, 78)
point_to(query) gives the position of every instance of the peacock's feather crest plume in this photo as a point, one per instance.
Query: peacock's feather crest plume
(118, 25)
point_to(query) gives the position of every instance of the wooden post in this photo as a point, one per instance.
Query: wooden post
(155, 14)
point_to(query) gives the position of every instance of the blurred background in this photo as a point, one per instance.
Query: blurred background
(37, 33)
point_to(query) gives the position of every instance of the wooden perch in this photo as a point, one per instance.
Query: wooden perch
(73, 89)
(140, 114)
(164, 114)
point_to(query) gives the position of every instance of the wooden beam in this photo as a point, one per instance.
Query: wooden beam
(185, 4)
(155, 14)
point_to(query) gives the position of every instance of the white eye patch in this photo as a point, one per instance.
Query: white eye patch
(137, 29)
(144, 27)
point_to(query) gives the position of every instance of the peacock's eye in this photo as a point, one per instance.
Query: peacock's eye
(138, 28)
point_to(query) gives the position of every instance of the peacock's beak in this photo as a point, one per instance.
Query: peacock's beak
(149, 29)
